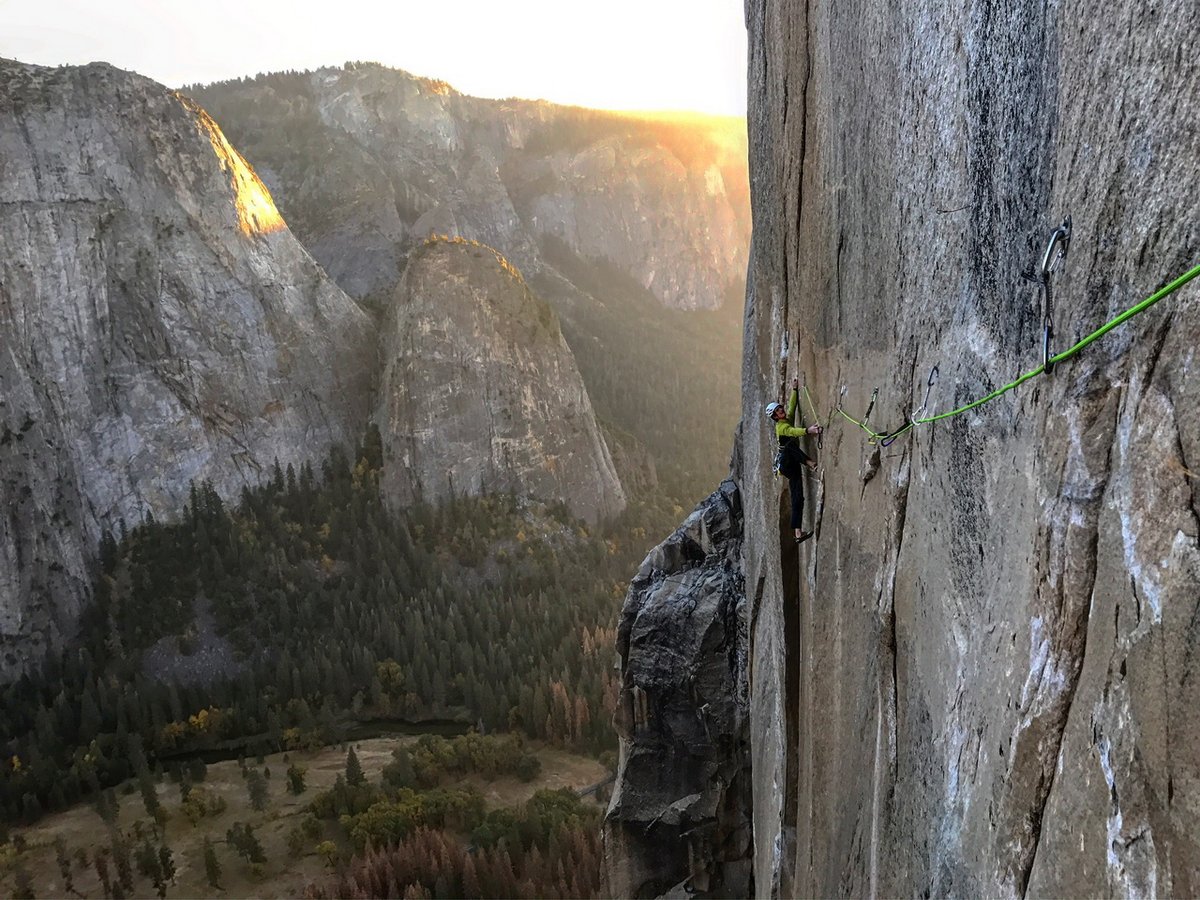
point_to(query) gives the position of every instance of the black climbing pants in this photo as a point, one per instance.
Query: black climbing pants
(796, 483)
(794, 461)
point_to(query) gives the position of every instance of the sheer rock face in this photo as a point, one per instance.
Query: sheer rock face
(678, 815)
(989, 682)
(158, 324)
(633, 462)
(480, 392)
(367, 161)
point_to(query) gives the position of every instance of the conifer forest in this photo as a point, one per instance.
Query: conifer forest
(309, 613)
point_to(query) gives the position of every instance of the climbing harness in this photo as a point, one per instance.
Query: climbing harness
(887, 438)
(781, 459)
(777, 468)
(1056, 252)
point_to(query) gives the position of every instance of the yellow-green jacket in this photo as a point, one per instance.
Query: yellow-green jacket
(784, 429)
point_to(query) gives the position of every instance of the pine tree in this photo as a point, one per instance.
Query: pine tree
(166, 863)
(100, 861)
(185, 785)
(212, 867)
(154, 809)
(108, 806)
(148, 865)
(295, 779)
(257, 787)
(354, 770)
(120, 855)
(297, 842)
(244, 841)
(64, 864)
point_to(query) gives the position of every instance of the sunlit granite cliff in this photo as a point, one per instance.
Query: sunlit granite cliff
(979, 678)
(367, 161)
(158, 324)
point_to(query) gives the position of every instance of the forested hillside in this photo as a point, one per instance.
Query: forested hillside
(307, 608)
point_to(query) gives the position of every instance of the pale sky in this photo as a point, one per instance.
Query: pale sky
(613, 54)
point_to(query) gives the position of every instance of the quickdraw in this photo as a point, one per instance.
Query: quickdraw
(1056, 252)
(871, 405)
(886, 439)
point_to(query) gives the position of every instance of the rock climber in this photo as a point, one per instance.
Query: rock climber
(791, 459)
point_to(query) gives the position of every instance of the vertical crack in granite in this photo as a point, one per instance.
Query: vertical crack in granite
(1072, 646)
(793, 655)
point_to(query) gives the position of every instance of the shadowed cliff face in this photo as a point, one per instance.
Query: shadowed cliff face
(983, 679)
(480, 393)
(678, 817)
(158, 324)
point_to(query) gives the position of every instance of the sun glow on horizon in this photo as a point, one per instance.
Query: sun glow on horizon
(626, 56)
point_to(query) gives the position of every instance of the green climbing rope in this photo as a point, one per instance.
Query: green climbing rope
(1124, 317)
(811, 405)
(863, 425)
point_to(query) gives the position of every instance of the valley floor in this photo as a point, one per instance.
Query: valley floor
(283, 875)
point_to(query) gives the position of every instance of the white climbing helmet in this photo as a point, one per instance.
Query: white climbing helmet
(771, 407)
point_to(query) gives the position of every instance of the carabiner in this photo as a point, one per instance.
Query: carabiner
(1060, 241)
(1056, 251)
(933, 377)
